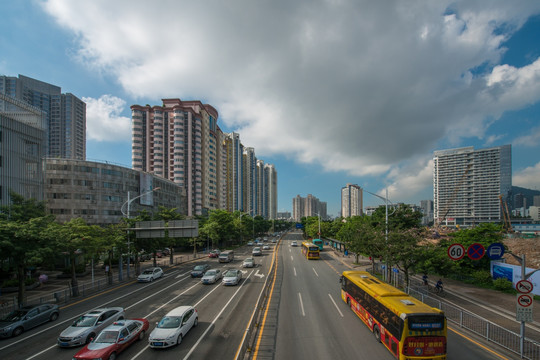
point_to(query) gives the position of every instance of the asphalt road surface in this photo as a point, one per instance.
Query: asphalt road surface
(304, 316)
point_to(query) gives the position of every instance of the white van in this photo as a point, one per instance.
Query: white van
(226, 256)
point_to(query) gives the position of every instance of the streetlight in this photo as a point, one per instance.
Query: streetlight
(386, 220)
(126, 214)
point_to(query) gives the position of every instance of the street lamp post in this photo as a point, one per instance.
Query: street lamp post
(386, 223)
(127, 214)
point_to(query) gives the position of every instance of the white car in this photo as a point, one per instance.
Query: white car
(89, 325)
(266, 247)
(256, 251)
(294, 243)
(248, 263)
(232, 277)
(150, 274)
(211, 276)
(173, 327)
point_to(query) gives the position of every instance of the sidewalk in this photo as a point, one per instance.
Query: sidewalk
(57, 289)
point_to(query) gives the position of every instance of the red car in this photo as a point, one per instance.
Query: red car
(214, 253)
(114, 339)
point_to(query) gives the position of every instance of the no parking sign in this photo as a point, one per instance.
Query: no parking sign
(476, 251)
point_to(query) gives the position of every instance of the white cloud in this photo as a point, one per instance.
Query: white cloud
(103, 120)
(353, 86)
(530, 140)
(528, 178)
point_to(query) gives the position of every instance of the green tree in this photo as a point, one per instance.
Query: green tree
(72, 239)
(24, 244)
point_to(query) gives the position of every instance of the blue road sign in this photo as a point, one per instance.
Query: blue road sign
(299, 225)
(476, 251)
(495, 251)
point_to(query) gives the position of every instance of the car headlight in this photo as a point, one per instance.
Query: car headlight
(6, 329)
(170, 337)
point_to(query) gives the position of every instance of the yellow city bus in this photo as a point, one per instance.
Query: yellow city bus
(310, 250)
(407, 327)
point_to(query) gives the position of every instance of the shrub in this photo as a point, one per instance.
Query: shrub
(15, 282)
(482, 277)
(503, 284)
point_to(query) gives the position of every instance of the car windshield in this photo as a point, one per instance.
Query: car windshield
(108, 337)
(169, 322)
(248, 260)
(211, 273)
(147, 272)
(85, 321)
(231, 273)
(15, 315)
(199, 268)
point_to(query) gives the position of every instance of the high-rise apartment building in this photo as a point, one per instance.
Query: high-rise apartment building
(351, 200)
(179, 141)
(22, 147)
(308, 206)
(467, 184)
(270, 192)
(182, 142)
(250, 181)
(65, 114)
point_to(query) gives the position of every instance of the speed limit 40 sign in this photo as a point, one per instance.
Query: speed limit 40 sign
(456, 251)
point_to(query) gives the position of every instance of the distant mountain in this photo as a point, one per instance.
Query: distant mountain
(526, 193)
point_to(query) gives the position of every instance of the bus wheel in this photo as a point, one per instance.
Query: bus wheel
(377, 333)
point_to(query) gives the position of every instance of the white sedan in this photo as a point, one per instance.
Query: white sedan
(150, 274)
(211, 276)
(173, 327)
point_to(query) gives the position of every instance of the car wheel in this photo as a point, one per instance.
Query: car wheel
(196, 322)
(179, 340)
(18, 331)
(112, 356)
(377, 333)
(141, 335)
(151, 279)
(89, 338)
(54, 316)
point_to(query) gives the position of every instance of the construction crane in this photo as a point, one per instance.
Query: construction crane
(507, 225)
(453, 197)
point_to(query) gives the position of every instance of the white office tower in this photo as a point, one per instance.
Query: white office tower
(467, 184)
(351, 200)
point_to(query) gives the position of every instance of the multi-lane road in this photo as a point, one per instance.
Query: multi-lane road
(303, 316)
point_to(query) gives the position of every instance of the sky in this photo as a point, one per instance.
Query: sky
(329, 92)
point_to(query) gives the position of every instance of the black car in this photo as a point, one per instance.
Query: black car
(199, 270)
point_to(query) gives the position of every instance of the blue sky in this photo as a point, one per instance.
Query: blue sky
(330, 92)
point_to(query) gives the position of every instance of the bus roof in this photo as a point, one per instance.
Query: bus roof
(396, 300)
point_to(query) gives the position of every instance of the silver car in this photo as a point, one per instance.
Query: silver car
(211, 276)
(27, 317)
(86, 327)
(232, 277)
(173, 327)
(150, 274)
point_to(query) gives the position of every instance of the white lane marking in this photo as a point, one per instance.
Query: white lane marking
(195, 306)
(259, 275)
(339, 311)
(214, 321)
(294, 271)
(315, 272)
(292, 258)
(301, 304)
(180, 275)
